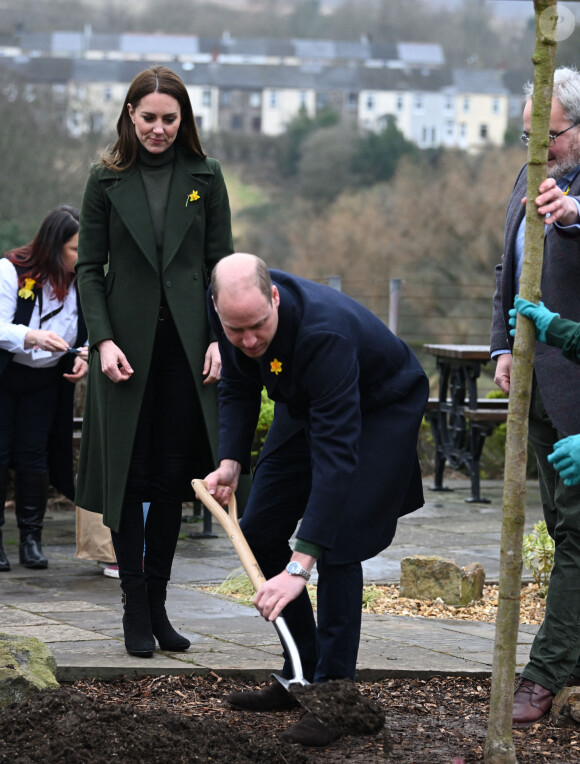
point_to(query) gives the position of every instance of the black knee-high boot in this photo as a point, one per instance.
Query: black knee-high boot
(168, 638)
(4, 563)
(161, 533)
(31, 494)
(128, 544)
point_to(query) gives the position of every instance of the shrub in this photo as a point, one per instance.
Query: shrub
(538, 556)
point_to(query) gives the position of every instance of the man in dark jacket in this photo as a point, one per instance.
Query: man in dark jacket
(340, 457)
(555, 404)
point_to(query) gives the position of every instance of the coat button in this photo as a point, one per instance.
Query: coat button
(168, 284)
(195, 276)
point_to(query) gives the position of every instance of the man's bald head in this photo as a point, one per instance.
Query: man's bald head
(246, 302)
(239, 273)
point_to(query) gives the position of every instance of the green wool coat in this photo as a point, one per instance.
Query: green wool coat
(120, 283)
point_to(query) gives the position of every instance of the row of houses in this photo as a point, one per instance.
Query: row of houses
(432, 105)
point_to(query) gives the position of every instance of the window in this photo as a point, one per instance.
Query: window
(400, 103)
(352, 102)
(483, 132)
(225, 97)
(418, 103)
(206, 98)
(302, 99)
(237, 122)
(321, 100)
(255, 100)
(495, 106)
(108, 94)
(256, 124)
(449, 103)
(370, 102)
(463, 130)
(273, 99)
(466, 105)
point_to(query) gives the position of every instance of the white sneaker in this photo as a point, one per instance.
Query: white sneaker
(112, 571)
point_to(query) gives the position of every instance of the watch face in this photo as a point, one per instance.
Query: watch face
(293, 567)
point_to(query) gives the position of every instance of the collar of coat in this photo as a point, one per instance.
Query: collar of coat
(127, 196)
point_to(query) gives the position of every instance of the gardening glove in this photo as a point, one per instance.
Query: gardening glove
(566, 459)
(539, 314)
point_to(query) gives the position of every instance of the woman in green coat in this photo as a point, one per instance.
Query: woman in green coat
(155, 219)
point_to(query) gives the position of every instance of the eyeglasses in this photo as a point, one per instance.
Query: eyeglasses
(525, 137)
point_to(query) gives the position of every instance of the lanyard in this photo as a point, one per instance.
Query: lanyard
(50, 315)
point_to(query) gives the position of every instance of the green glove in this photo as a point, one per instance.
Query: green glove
(540, 315)
(566, 459)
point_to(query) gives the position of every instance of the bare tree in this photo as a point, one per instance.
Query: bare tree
(499, 747)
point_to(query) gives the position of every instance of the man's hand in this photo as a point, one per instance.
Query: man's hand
(554, 204)
(566, 459)
(539, 314)
(277, 592)
(224, 480)
(114, 363)
(212, 366)
(503, 372)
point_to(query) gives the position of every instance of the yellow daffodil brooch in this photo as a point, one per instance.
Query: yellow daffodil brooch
(193, 197)
(276, 366)
(26, 290)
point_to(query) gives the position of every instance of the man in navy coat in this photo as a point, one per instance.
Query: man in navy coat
(340, 457)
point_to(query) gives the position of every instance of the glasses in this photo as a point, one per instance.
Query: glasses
(525, 137)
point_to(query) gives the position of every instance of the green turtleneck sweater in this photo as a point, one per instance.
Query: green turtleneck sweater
(156, 171)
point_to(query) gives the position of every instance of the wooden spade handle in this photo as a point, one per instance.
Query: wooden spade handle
(229, 522)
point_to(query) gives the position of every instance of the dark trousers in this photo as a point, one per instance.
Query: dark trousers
(170, 447)
(28, 404)
(279, 495)
(555, 652)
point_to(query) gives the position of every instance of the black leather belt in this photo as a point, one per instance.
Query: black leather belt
(165, 313)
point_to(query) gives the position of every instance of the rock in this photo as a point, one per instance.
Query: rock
(566, 708)
(428, 577)
(26, 666)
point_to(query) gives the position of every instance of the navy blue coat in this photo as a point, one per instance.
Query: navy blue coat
(360, 394)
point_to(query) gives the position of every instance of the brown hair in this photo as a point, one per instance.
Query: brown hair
(42, 258)
(157, 79)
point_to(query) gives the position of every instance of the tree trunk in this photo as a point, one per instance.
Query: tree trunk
(499, 747)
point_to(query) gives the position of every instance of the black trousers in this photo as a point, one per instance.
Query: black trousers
(170, 447)
(280, 490)
(28, 405)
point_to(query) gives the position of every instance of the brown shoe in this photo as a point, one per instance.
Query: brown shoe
(531, 702)
(272, 698)
(310, 732)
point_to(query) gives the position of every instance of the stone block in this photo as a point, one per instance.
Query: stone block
(428, 577)
(566, 708)
(26, 666)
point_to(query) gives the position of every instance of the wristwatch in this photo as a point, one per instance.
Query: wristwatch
(295, 569)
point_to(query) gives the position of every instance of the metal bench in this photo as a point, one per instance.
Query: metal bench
(459, 432)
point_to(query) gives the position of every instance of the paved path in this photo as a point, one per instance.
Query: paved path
(76, 610)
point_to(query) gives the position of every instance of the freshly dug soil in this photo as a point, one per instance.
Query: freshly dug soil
(185, 719)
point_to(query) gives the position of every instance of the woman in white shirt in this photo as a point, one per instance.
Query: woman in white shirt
(42, 335)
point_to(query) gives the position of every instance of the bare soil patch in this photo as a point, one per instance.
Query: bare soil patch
(185, 719)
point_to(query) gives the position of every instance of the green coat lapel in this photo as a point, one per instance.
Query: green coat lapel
(183, 212)
(128, 198)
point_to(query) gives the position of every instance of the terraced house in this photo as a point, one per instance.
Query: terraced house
(259, 85)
